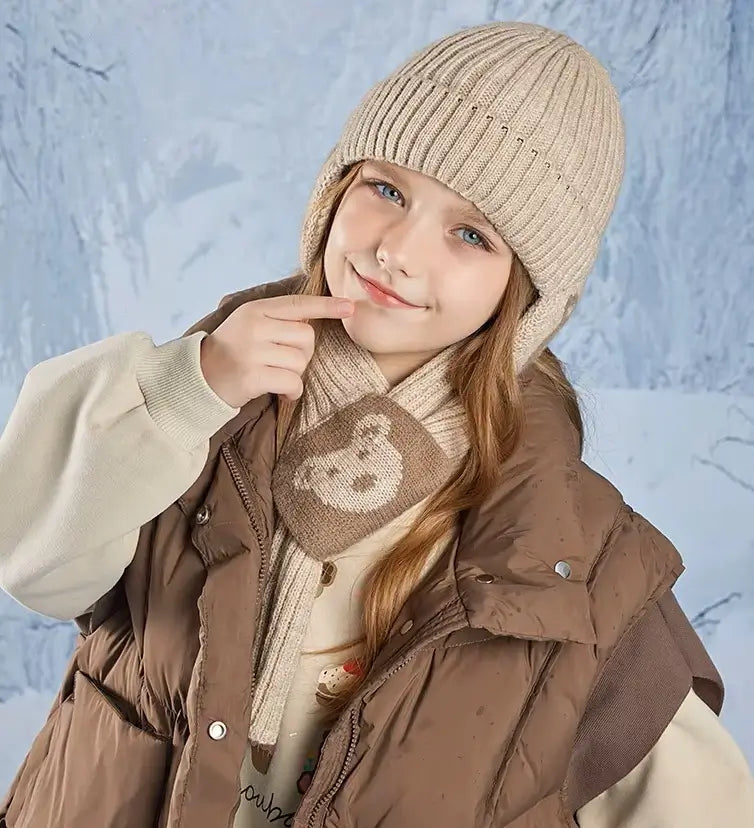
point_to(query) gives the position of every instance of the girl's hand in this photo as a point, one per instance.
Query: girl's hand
(264, 346)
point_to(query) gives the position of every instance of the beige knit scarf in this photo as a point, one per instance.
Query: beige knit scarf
(356, 457)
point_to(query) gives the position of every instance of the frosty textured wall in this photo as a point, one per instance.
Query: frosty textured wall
(108, 108)
(154, 157)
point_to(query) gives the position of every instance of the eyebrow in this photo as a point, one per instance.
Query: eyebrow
(467, 211)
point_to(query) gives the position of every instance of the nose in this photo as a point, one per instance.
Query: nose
(397, 252)
(389, 262)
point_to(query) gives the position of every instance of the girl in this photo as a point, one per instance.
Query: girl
(371, 583)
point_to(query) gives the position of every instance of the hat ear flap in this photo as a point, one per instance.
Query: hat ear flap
(315, 217)
(542, 320)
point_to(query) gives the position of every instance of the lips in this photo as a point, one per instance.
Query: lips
(386, 290)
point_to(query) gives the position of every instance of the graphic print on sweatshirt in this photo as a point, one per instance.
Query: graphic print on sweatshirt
(334, 678)
(273, 783)
(310, 765)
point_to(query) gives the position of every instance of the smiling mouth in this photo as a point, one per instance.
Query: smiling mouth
(380, 297)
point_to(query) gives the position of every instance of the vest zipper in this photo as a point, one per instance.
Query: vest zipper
(244, 492)
(326, 798)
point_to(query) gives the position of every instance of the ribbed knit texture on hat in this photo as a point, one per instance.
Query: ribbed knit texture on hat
(522, 121)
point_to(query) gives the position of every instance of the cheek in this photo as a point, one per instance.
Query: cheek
(337, 237)
(334, 258)
(355, 222)
(464, 310)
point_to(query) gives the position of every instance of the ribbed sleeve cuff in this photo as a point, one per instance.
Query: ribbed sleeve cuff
(176, 394)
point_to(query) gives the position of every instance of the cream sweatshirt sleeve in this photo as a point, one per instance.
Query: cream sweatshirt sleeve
(100, 441)
(696, 776)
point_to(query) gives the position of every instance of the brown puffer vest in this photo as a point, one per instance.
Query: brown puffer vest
(503, 697)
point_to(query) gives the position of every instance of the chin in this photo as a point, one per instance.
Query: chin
(372, 337)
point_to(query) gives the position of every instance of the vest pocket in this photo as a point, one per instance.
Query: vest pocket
(100, 769)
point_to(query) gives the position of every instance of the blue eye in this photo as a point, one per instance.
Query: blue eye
(478, 235)
(483, 243)
(382, 184)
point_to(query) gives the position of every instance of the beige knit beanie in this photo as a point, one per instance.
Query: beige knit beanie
(522, 121)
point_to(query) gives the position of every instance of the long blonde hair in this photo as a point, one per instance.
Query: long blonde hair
(483, 375)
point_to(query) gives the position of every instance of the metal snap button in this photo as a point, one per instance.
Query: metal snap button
(563, 569)
(217, 730)
(202, 516)
(485, 579)
(407, 626)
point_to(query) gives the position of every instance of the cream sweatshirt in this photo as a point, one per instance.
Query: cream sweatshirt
(104, 438)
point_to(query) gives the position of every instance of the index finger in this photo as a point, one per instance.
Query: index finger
(301, 306)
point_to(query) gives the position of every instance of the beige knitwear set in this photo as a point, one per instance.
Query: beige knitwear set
(525, 123)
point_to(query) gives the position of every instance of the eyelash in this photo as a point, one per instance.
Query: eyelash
(372, 182)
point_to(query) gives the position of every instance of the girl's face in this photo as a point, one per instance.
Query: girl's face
(426, 243)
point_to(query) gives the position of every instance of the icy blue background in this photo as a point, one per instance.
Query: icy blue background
(154, 157)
